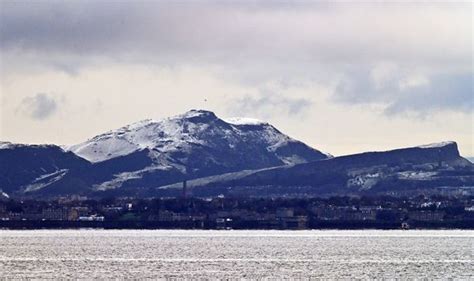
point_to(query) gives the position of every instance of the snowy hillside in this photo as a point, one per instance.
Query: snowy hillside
(150, 153)
(241, 157)
(183, 132)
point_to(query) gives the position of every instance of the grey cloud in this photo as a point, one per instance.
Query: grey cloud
(39, 107)
(269, 104)
(358, 85)
(448, 92)
(166, 32)
(440, 92)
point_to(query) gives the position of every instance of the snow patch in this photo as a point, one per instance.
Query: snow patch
(55, 173)
(416, 175)
(45, 180)
(292, 160)
(97, 151)
(436, 145)
(364, 182)
(9, 145)
(244, 121)
(117, 181)
(121, 178)
(6, 145)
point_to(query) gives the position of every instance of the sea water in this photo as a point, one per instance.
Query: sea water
(236, 254)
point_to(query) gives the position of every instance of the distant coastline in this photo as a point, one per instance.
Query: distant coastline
(420, 212)
(326, 225)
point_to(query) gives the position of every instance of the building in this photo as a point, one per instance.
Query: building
(56, 214)
(426, 215)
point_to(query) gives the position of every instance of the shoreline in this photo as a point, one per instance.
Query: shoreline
(318, 225)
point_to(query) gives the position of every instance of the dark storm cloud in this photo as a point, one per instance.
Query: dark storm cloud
(40, 106)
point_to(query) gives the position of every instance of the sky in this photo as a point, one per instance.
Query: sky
(342, 77)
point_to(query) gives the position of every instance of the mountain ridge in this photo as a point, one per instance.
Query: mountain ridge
(153, 157)
(405, 168)
(150, 152)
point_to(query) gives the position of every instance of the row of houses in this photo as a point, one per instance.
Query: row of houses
(372, 213)
(53, 214)
(281, 217)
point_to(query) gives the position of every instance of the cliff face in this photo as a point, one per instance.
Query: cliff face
(435, 153)
(428, 157)
(421, 167)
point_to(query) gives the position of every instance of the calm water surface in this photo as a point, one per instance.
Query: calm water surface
(236, 254)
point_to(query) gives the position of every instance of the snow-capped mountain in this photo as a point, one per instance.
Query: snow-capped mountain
(193, 129)
(151, 153)
(194, 144)
(218, 156)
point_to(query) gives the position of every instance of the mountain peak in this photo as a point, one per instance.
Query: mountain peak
(191, 115)
(195, 130)
(198, 115)
(198, 112)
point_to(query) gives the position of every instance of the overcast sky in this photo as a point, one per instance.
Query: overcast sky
(344, 78)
